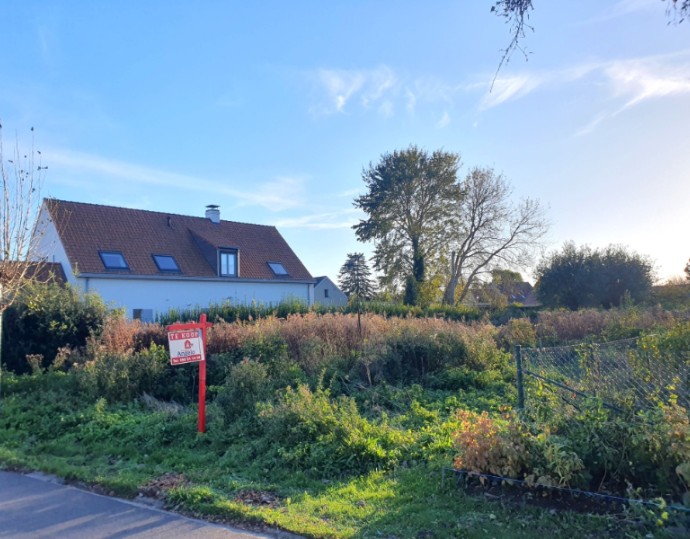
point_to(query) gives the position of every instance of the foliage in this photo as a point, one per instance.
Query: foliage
(411, 204)
(313, 432)
(687, 270)
(586, 277)
(45, 318)
(355, 279)
(489, 445)
(21, 176)
(490, 230)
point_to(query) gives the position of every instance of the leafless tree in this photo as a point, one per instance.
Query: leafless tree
(493, 231)
(21, 175)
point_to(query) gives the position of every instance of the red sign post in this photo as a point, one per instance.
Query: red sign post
(187, 343)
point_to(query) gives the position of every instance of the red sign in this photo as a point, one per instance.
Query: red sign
(186, 346)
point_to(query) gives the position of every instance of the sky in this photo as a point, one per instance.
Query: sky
(272, 110)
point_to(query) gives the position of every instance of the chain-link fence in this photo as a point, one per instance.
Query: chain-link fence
(622, 374)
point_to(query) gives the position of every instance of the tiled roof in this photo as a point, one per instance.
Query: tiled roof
(88, 229)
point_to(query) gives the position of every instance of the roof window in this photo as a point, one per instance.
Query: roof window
(277, 268)
(166, 263)
(113, 260)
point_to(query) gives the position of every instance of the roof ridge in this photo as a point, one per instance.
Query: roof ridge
(171, 214)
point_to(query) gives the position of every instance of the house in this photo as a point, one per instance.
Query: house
(327, 293)
(149, 262)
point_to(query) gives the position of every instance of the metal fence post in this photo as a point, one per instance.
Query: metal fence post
(520, 388)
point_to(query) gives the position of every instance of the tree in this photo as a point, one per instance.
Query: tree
(585, 277)
(21, 176)
(516, 14)
(412, 205)
(491, 230)
(355, 277)
(687, 270)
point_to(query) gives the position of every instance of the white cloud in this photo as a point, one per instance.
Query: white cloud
(638, 80)
(510, 88)
(279, 194)
(322, 221)
(444, 120)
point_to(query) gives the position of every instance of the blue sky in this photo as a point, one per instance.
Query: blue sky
(271, 110)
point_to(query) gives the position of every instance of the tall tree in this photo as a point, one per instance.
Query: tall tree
(687, 270)
(21, 176)
(355, 278)
(492, 231)
(585, 277)
(412, 204)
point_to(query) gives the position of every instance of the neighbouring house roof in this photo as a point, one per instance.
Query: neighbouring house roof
(87, 230)
(45, 272)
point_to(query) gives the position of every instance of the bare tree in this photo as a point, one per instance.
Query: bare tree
(21, 175)
(493, 231)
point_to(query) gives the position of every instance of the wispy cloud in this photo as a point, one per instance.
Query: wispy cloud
(381, 90)
(510, 88)
(648, 78)
(322, 221)
(369, 85)
(278, 194)
(444, 120)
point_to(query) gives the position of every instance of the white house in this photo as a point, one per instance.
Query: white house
(326, 292)
(148, 262)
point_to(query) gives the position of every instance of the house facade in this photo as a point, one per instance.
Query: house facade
(149, 262)
(327, 293)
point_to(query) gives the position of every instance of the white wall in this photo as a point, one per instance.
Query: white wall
(162, 295)
(48, 245)
(335, 296)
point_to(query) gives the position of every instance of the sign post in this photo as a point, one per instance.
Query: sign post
(187, 344)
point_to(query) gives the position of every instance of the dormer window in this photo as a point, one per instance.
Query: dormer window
(166, 263)
(113, 260)
(278, 269)
(227, 263)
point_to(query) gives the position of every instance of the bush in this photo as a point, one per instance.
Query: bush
(246, 385)
(45, 318)
(311, 431)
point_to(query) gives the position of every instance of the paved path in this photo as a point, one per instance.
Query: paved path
(31, 507)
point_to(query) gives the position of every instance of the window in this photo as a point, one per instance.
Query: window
(227, 263)
(113, 260)
(166, 263)
(325, 292)
(277, 268)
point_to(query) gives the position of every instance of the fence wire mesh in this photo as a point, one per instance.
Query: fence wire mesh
(623, 374)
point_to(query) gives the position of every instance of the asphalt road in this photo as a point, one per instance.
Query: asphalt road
(32, 506)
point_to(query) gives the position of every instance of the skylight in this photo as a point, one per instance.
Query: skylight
(277, 268)
(166, 263)
(114, 260)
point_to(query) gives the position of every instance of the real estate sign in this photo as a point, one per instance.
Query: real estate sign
(186, 346)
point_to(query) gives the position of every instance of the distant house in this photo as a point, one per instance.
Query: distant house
(148, 261)
(327, 293)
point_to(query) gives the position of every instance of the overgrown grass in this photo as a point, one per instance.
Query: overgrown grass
(328, 429)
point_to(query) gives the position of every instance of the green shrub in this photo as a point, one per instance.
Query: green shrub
(313, 432)
(45, 318)
(247, 384)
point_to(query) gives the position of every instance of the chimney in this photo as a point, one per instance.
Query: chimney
(213, 213)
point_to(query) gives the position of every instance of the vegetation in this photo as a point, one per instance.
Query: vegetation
(322, 430)
(490, 230)
(44, 318)
(584, 277)
(21, 176)
(411, 204)
(355, 278)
